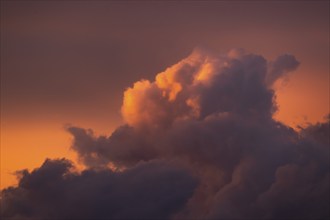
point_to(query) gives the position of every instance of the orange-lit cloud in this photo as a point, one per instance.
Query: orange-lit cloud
(67, 63)
(210, 149)
(177, 93)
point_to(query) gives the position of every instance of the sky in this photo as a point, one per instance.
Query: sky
(148, 77)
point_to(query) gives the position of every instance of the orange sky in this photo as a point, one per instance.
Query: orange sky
(70, 63)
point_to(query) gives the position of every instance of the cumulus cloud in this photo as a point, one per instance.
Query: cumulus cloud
(208, 119)
(204, 84)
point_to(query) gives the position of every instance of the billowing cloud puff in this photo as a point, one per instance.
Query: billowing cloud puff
(208, 118)
(201, 85)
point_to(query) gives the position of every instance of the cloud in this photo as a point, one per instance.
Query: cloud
(282, 65)
(318, 132)
(204, 84)
(208, 117)
(147, 191)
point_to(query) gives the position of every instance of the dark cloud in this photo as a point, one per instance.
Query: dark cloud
(128, 147)
(208, 116)
(280, 66)
(318, 132)
(152, 190)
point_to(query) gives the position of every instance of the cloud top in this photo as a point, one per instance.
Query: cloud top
(204, 84)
